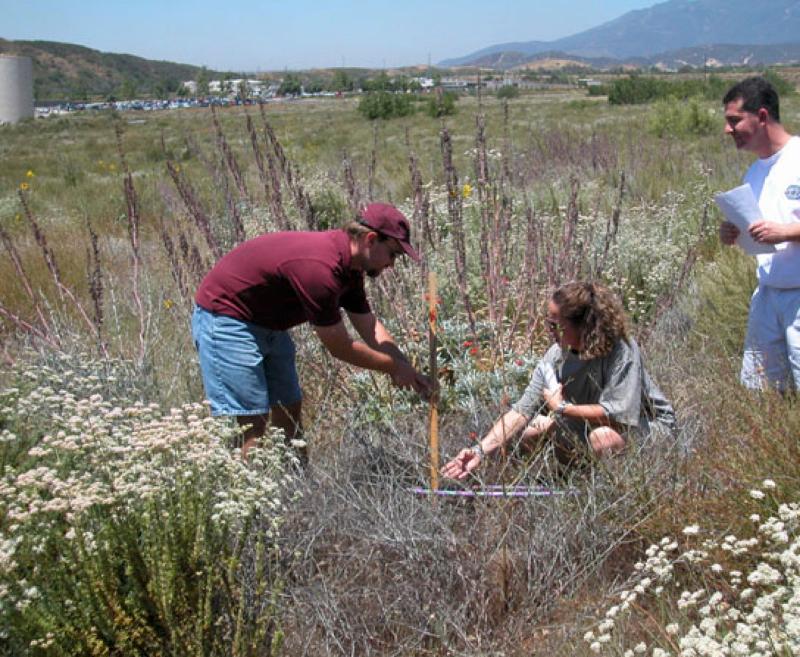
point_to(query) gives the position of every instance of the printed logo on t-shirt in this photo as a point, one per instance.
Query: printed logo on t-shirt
(793, 192)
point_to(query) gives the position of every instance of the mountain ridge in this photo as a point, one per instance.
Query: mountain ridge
(61, 68)
(669, 26)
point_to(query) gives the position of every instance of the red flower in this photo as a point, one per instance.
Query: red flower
(467, 343)
(473, 351)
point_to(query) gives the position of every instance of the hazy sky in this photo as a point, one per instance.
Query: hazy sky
(249, 35)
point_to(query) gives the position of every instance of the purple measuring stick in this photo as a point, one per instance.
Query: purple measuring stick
(493, 490)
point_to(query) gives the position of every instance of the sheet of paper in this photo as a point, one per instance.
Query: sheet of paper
(740, 207)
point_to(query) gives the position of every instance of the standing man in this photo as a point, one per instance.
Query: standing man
(269, 284)
(772, 345)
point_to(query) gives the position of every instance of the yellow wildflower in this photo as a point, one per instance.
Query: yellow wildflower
(168, 303)
(30, 173)
(466, 192)
(24, 186)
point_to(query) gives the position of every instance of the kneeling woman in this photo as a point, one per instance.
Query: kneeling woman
(592, 381)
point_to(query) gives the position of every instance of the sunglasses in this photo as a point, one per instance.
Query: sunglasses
(395, 250)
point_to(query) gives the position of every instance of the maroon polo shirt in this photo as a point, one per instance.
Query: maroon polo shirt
(280, 280)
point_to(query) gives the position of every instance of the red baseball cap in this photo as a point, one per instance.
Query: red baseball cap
(389, 221)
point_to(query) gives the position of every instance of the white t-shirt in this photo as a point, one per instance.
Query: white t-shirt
(776, 184)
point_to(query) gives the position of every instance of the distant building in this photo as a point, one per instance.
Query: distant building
(506, 81)
(426, 84)
(454, 84)
(16, 88)
(231, 88)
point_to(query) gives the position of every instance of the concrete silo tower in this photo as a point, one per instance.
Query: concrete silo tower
(16, 88)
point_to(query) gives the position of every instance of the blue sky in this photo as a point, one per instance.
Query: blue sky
(249, 35)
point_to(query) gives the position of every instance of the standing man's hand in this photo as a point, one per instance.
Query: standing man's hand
(768, 232)
(728, 233)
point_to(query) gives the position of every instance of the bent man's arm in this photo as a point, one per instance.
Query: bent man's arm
(374, 333)
(339, 343)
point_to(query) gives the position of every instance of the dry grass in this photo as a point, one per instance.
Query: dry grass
(556, 190)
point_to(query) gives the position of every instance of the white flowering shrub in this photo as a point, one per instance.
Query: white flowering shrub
(718, 611)
(127, 529)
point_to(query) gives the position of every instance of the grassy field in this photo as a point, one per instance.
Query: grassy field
(130, 526)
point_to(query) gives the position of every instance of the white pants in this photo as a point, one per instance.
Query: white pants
(772, 346)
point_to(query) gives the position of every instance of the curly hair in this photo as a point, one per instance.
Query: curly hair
(596, 313)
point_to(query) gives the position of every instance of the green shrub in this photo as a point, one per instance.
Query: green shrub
(385, 105)
(291, 85)
(330, 209)
(443, 104)
(508, 92)
(678, 118)
(598, 90)
(635, 90)
(781, 84)
(581, 104)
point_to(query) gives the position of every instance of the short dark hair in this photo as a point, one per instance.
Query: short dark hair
(755, 92)
(356, 227)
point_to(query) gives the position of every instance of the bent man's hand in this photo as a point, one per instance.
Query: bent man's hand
(466, 461)
(728, 233)
(767, 232)
(423, 385)
(404, 375)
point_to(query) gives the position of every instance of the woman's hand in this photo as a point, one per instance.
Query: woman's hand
(459, 467)
(553, 398)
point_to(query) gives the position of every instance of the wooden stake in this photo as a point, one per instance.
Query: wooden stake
(433, 432)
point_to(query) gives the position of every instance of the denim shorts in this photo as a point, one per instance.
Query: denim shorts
(246, 368)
